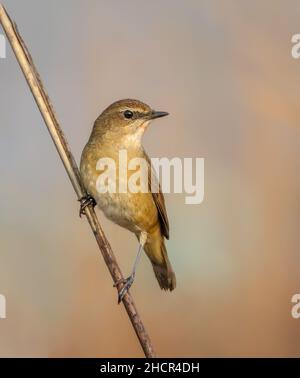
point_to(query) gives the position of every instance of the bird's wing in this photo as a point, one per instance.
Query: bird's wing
(158, 198)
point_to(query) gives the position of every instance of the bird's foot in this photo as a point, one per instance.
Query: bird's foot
(85, 201)
(127, 282)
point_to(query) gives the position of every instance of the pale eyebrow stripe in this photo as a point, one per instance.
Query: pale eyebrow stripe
(136, 113)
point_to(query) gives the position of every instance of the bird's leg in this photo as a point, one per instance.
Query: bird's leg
(129, 280)
(86, 201)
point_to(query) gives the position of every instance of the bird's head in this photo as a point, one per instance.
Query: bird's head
(127, 118)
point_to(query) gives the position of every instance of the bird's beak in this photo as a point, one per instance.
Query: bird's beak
(154, 114)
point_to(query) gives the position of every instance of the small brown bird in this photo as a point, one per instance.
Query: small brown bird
(121, 127)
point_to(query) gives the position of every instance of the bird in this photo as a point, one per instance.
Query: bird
(121, 126)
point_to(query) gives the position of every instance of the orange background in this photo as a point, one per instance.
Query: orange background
(224, 71)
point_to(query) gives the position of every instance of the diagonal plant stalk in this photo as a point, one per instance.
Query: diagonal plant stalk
(34, 81)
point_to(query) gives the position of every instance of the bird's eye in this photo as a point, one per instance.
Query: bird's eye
(128, 114)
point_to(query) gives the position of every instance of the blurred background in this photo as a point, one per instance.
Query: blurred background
(225, 73)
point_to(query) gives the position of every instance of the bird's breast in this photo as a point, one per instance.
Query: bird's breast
(134, 211)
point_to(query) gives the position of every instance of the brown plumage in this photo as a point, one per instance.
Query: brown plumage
(163, 271)
(140, 213)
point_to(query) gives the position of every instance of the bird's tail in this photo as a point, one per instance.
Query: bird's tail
(156, 251)
(164, 272)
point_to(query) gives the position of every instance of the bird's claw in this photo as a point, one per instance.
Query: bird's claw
(85, 201)
(127, 282)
